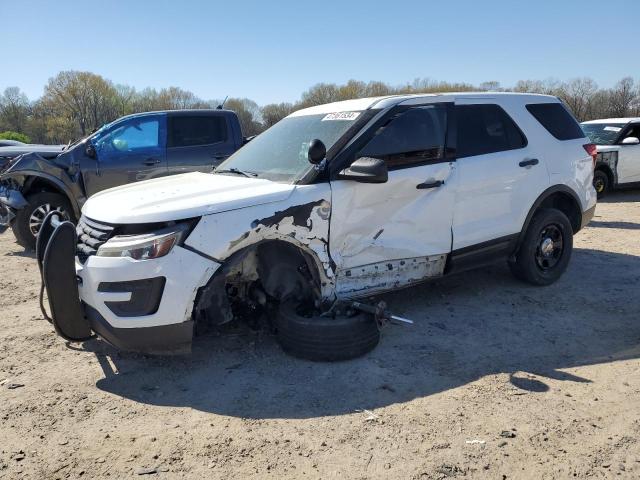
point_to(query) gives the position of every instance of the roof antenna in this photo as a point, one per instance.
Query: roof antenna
(221, 106)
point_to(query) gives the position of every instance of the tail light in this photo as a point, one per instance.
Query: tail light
(591, 150)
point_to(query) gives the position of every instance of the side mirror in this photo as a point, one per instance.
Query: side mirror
(631, 141)
(90, 151)
(366, 170)
(317, 152)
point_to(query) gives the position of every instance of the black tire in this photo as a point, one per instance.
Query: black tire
(539, 262)
(325, 339)
(600, 182)
(21, 224)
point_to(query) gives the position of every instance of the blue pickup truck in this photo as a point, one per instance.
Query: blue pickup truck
(132, 148)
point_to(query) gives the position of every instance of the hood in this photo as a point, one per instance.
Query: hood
(43, 150)
(182, 196)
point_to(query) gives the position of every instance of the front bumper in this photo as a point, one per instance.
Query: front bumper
(122, 318)
(10, 201)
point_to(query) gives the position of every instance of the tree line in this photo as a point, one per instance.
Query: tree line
(76, 103)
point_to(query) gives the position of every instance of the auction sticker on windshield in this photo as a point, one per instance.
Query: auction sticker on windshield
(341, 116)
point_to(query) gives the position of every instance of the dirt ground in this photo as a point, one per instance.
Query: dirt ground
(496, 380)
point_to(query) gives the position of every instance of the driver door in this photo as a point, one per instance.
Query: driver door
(388, 235)
(131, 151)
(629, 158)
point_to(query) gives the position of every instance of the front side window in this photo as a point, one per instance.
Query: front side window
(280, 153)
(486, 128)
(602, 133)
(412, 137)
(189, 131)
(133, 135)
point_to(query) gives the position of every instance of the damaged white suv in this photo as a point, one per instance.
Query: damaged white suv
(333, 203)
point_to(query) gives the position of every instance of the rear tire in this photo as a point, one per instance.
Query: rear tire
(546, 248)
(600, 183)
(25, 226)
(324, 338)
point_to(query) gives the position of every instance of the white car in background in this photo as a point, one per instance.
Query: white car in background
(618, 159)
(334, 203)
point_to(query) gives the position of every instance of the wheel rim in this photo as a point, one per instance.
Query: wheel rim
(38, 215)
(598, 183)
(550, 247)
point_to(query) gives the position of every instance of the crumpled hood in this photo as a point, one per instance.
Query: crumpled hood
(183, 196)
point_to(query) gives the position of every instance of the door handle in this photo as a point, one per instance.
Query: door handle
(219, 156)
(425, 185)
(151, 161)
(529, 162)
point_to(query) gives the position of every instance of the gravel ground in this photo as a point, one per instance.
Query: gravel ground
(495, 380)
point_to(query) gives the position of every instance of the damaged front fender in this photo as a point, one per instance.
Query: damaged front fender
(302, 221)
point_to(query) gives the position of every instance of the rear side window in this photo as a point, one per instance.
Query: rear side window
(189, 131)
(486, 128)
(557, 120)
(413, 137)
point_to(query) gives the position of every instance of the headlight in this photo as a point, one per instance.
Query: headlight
(144, 247)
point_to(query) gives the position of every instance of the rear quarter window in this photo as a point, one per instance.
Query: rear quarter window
(557, 120)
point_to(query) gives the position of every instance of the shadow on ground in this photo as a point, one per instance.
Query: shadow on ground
(467, 326)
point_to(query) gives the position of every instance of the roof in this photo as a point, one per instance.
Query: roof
(360, 104)
(624, 120)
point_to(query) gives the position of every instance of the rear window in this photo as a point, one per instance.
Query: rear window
(486, 128)
(189, 131)
(557, 120)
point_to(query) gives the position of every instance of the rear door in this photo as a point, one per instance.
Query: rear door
(130, 151)
(391, 234)
(198, 141)
(499, 174)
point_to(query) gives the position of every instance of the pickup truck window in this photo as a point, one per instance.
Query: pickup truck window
(413, 137)
(280, 153)
(189, 131)
(135, 134)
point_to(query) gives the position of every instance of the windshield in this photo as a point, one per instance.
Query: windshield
(280, 153)
(602, 133)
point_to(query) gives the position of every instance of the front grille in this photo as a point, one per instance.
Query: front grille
(91, 235)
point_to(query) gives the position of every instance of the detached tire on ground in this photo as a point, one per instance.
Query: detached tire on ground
(600, 183)
(546, 248)
(40, 204)
(323, 338)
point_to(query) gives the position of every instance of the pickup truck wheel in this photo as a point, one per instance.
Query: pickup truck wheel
(29, 219)
(600, 183)
(319, 338)
(546, 248)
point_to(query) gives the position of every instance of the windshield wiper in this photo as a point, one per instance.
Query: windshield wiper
(237, 172)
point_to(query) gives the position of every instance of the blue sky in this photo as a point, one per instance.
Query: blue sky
(272, 51)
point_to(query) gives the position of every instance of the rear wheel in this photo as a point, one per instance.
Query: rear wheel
(309, 336)
(29, 219)
(600, 182)
(546, 248)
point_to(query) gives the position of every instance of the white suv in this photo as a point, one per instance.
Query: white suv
(333, 203)
(618, 160)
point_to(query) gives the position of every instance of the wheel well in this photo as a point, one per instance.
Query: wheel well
(567, 205)
(253, 279)
(39, 184)
(607, 170)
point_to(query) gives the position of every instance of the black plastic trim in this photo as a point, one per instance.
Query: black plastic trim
(174, 338)
(481, 254)
(146, 295)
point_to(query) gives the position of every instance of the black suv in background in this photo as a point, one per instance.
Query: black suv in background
(132, 148)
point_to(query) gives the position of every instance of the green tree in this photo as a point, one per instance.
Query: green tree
(20, 137)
